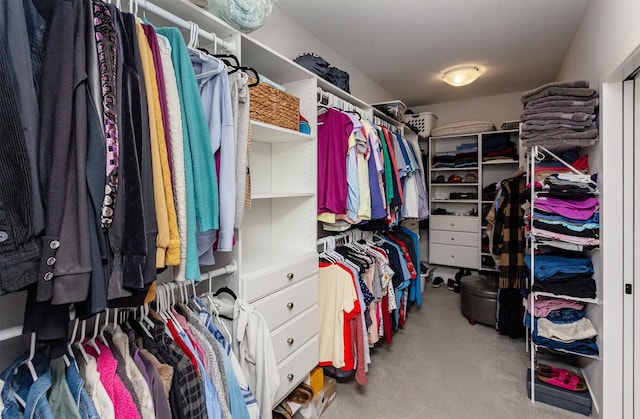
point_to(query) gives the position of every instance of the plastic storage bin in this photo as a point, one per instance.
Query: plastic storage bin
(423, 122)
(579, 402)
(395, 109)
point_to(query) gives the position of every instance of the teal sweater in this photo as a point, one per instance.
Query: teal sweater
(201, 178)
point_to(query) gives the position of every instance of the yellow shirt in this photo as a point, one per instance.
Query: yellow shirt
(168, 239)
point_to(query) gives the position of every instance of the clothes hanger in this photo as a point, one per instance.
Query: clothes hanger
(103, 339)
(78, 343)
(29, 361)
(32, 370)
(92, 340)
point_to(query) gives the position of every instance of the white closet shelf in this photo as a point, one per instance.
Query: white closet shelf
(455, 201)
(566, 297)
(334, 90)
(500, 162)
(275, 195)
(190, 12)
(267, 133)
(537, 347)
(457, 169)
(271, 63)
(455, 184)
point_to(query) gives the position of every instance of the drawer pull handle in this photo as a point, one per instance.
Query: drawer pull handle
(290, 341)
(452, 239)
(290, 276)
(289, 306)
(453, 224)
(290, 377)
(453, 255)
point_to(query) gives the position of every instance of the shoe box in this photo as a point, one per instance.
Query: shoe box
(575, 401)
(320, 401)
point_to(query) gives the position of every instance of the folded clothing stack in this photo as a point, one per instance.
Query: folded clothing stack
(560, 113)
(498, 147)
(466, 155)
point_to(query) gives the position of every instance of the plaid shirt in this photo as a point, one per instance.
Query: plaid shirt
(186, 386)
(509, 227)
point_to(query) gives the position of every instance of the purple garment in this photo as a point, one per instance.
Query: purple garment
(152, 39)
(378, 210)
(334, 129)
(576, 210)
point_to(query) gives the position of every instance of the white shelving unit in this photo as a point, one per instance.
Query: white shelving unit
(532, 347)
(276, 244)
(455, 238)
(494, 171)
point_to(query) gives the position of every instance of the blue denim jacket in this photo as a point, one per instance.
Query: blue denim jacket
(33, 393)
(80, 395)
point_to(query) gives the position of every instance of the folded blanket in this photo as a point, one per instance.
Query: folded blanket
(531, 113)
(557, 91)
(553, 124)
(562, 84)
(561, 101)
(562, 133)
(464, 127)
(568, 116)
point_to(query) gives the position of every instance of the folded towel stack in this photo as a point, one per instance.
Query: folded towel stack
(560, 113)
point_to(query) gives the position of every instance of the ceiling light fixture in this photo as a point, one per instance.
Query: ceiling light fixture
(461, 76)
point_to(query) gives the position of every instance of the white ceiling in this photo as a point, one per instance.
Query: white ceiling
(404, 45)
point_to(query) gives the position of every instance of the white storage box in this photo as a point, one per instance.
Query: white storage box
(424, 122)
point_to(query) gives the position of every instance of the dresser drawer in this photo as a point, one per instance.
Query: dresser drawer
(290, 336)
(261, 283)
(295, 368)
(454, 238)
(453, 223)
(284, 305)
(461, 256)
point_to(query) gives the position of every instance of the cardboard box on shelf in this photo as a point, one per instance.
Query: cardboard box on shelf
(320, 401)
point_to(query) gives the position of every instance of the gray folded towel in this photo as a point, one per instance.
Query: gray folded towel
(561, 101)
(561, 84)
(569, 116)
(553, 124)
(529, 113)
(561, 91)
(562, 133)
(559, 143)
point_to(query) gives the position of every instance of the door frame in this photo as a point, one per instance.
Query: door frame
(617, 348)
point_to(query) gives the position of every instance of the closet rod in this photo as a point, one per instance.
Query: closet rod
(230, 268)
(159, 11)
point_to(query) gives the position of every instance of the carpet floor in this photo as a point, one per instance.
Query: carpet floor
(440, 366)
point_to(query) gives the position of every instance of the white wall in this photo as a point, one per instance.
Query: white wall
(498, 109)
(609, 32)
(290, 39)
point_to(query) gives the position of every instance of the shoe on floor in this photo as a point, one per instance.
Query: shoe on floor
(450, 284)
(436, 282)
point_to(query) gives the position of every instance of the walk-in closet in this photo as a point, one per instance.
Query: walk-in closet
(304, 209)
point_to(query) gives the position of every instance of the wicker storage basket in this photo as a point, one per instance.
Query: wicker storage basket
(273, 106)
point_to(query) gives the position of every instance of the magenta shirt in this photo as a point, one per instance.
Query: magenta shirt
(334, 129)
(577, 210)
